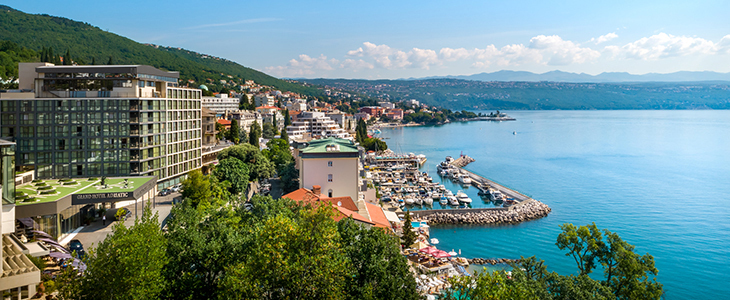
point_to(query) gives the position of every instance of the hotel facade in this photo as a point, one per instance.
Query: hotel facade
(93, 121)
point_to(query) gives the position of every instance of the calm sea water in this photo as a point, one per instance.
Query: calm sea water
(660, 179)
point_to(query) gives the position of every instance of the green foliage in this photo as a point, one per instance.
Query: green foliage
(254, 134)
(289, 178)
(259, 166)
(37, 261)
(287, 119)
(245, 103)
(489, 286)
(284, 135)
(234, 171)
(374, 144)
(583, 245)
(129, 263)
(88, 43)
(268, 131)
(204, 192)
(222, 132)
(278, 152)
(10, 55)
(409, 236)
(379, 270)
(361, 131)
(234, 134)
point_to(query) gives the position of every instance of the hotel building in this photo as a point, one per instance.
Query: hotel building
(93, 121)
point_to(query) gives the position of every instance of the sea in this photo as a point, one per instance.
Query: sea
(660, 179)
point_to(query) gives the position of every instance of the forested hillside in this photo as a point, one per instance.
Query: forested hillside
(87, 43)
(466, 94)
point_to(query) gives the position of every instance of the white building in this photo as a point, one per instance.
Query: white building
(331, 163)
(317, 125)
(387, 105)
(297, 105)
(220, 104)
(246, 118)
(346, 121)
(264, 100)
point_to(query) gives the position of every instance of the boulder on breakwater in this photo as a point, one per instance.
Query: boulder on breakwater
(525, 211)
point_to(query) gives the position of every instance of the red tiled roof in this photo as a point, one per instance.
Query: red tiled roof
(345, 202)
(267, 107)
(223, 122)
(377, 216)
(346, 207)
(344, 213)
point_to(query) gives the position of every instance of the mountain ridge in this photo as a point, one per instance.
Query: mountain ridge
(605, 77)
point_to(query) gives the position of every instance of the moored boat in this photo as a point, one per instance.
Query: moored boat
(463, 197)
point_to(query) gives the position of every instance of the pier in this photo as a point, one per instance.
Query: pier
(484, 183)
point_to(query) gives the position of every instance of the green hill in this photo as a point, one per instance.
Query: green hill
(87, 43)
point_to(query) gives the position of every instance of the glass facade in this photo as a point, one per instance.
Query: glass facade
(7, 174)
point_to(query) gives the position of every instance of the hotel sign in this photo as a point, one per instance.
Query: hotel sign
(100, 197)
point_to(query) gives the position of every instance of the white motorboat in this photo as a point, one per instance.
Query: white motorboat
(435, 195)
(428, 201)
(434, 241)
(453, 201)
(409, 201)
(444, 200)
(462, 197)
(448, 193)
(418, 200)
(465, 178)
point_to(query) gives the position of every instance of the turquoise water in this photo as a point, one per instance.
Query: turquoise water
(660, 179)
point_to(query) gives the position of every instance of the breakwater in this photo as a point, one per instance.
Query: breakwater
(524, 211)
(492, 261)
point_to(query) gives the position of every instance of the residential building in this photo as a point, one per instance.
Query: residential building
(103, 120)
(220, 104)
(362, 116)
(208, 128)
(412, 103)
(246, 118)
(18, 275)
(331, 163)
(346, 121)
(395, 114)
(386, 104)
(264, 100)
(297, 104)
(316, 124)
(226, 124)
(361, 212)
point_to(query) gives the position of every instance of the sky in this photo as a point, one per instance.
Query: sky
(412, 39)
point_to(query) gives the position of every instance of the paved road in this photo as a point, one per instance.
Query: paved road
(97, 232)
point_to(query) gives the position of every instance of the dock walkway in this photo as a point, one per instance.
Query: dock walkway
(480, 181)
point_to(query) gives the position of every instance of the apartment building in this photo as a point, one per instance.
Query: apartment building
(105, 120)
(316, 125)
(264, 100)
(220, 104)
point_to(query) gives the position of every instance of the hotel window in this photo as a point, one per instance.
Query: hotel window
(329, 193)
(329, 163)
(329, 177)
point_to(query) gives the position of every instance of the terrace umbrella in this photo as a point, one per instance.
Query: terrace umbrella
(419, 245)
(452, 253)
(429, 250)
(41, 234)
(440, 254)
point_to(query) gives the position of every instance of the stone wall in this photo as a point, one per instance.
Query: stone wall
(525, 211)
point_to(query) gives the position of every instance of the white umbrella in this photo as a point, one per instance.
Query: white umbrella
(423, 276)
(452, 253)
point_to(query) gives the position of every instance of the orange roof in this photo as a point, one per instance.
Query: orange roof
(344, 213)
(344, 205)
(345, 202)
(223, 122)
(377, 216)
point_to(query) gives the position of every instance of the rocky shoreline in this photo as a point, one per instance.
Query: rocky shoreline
(526, 211)
(491, 261)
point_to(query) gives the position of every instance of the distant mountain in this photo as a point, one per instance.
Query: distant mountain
(501, 95)
(560, 76)
(87, 43)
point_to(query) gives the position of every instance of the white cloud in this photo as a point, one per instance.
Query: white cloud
(247, 21)
(305, 65)
(604, 38)
(664, 45)
(562, 52)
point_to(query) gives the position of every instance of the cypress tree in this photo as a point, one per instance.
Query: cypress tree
(93, 60)
(67, 58)
(287, 120)
(111, 60)
(284, 135)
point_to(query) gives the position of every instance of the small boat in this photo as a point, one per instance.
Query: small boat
(435, 195)
(514, 132)
(465, 179)
(418, 200)
(462, 197)
(428, 201)
(434, 241)
(409, 201)
(444, 200)
(453, 201)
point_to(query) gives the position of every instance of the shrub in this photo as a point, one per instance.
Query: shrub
(92, 178)
(43, 188)
(31, 199)
(18, 194)
(64, 180)
(41, 184)
(37, 180)
(21, 197)
(69, 183)
(48, 192)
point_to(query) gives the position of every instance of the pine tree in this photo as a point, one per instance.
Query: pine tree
(409, 236)
(67, 58)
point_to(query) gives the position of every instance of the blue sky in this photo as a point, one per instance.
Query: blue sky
(400, 39)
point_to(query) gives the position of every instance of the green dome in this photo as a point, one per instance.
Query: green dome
(203, 87)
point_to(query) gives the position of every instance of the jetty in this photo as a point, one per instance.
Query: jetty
(483, 184)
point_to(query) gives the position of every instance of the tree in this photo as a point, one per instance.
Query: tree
(259, 166)
(203, 191)
(374, 144)
(111, 61)
(279, 153)
(234, 134)
(221, 131)
(284, 135)
(129, 263)
(245, 103)
(409, 236)
(268, 132)
(234, 171)
(67, 57)
(287, 119)
(289, 178)
(242, 136)
(379, 270)
(583, 245)
(361, 131)
(254, 134)
(93, 61)
(294, 254)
